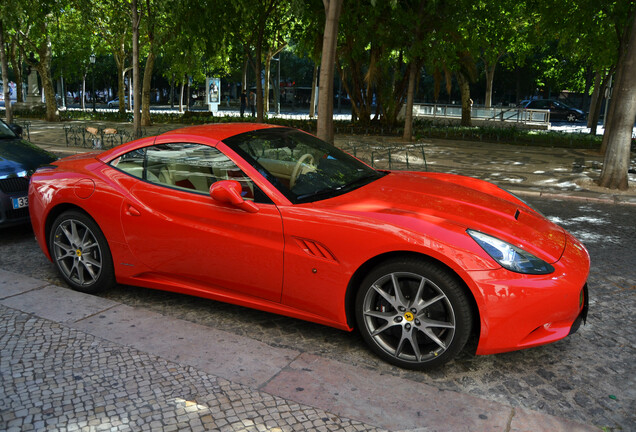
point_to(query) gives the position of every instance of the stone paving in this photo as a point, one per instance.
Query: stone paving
(56, 378)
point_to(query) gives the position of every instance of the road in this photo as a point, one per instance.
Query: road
(590, 376)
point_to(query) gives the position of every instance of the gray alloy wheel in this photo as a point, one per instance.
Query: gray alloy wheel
(413, 314)
(80, 252)
(571, 118)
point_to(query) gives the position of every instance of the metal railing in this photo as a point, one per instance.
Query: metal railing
(517, 115)
(96, 137)
(409, 157)
(26, 127)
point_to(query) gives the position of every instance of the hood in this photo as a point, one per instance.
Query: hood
(20, 158)
(463, 201)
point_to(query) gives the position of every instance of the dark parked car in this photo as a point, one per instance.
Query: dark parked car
(18, 160)
(558, 110)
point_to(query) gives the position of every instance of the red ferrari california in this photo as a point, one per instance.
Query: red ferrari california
(273, 218)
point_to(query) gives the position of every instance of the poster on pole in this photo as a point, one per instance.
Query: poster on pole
(213, 87)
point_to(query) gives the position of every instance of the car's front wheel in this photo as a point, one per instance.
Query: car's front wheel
(413, 313)
(80, 252)
(571, 118)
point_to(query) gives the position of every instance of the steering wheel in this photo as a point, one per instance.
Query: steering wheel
(296, 171)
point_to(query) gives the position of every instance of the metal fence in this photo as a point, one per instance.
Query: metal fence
(26, 127)
(516, 115)
(409, 157)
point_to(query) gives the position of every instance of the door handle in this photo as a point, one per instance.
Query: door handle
(132, 211)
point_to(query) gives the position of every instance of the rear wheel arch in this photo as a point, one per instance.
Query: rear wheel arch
(359, 275)
(53, 215)
(80, 250)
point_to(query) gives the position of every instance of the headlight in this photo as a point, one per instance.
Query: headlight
(510, 257)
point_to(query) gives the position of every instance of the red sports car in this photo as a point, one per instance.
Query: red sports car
(273, 218)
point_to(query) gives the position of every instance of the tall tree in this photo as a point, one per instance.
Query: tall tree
(5, 77)
(35, 20)
(496, 29)
(111, 21)
(308, 35)
(619, 131)
(325, 94)
(136, 100)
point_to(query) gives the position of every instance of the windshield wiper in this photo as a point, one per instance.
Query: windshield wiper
(361, 181)
(320, 192)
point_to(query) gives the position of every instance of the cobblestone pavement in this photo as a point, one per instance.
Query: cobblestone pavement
(64, 379)
(588, 377)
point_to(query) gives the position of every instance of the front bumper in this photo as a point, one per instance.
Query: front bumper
(523, 311)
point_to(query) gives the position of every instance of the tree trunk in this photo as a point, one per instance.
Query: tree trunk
(245, 70)
(49, 92)
(5, 78)
(464, 87)
(43, 66)
(619, 131)
(595, 111)
(312, 101)
(181, 98)
(266, 79)
(490, 78)
(259, 83)
(410, 96)
(119, 54)
(145, 101)
(325, 95)
(16, 64)
(596, 94)
(136, 99)
(150, 63)
(187, 94)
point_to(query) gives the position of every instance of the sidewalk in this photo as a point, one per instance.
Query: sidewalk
(71, 361)
(524, 170)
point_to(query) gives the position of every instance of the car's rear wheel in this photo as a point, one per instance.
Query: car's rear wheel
(413, 313)
(80, 252)
(571, 118)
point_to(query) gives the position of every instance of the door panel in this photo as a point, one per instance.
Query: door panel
(175, 227)
(189, 235)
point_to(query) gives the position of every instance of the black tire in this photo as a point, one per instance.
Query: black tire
(80, 252)
(424, 327)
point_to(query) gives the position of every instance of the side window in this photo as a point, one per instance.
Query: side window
(131, 163)
(184, 166)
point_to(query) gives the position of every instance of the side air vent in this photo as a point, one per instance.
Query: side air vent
(315, 249)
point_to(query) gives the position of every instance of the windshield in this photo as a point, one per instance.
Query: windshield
(5, 131)
(301, 166)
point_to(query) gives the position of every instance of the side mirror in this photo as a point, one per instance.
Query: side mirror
(17, 129)
(229, 192)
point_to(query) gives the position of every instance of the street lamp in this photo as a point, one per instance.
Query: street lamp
(92, 58)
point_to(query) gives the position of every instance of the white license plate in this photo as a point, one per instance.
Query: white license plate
(20, 202)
